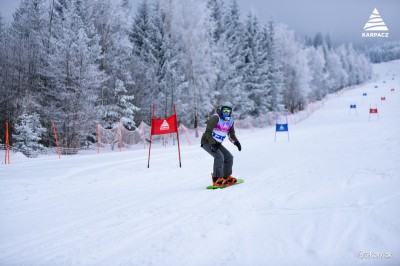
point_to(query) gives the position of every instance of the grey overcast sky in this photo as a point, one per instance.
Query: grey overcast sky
(343, 20)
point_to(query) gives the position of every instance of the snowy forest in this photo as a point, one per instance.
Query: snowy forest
(79, 63)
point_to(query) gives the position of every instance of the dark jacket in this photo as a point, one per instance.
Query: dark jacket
(211, 124)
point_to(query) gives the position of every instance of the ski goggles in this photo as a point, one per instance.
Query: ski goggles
(226, 111)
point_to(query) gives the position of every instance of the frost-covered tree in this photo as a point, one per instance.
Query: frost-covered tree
(383, 52)
(26, 58)
(139, 34)
(230, 59)
(295, 70)
(6, 101)
(255, 67)
(75, 78)
(220, 61)
(318, 82)
(144, 60)
(355, 64)
(216, 11)
(123, 110)
(26, 38)
(337, 77)
(196, 95)
(110, 22)
(275, 75)
(263, 95)
(70, 56)
(27, 136)
(2, 27)
(165, 53)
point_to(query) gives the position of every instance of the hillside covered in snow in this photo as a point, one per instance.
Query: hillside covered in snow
(329, 196)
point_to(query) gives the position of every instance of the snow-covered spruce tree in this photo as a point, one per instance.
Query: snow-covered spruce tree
(123, 110)
(75, 79)
(162, 54)
(25, 59)
(6, 103)
(215, 25)
(156, 57)
(337, 78)
(144, 62)
(355, 64)
(196, 94)
(139, 33)
(293, 60)
(27, 136)
(233, 43)
(382, 52)
(262, 95)
(110, 22)
(318, 82)
(252, 70)
(26, 40)
(227, 53)
(275, 75)
(2, 28)
(216, 17)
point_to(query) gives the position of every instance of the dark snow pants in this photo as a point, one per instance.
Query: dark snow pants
(223, 160)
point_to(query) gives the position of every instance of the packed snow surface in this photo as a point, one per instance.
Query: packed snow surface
(329, 196)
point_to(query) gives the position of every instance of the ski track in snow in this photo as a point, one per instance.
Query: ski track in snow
(320, 199)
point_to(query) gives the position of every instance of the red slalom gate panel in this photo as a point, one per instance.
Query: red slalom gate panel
(373, 110)
(164, 126)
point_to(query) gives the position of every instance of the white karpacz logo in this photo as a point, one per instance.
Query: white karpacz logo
(375, 26)
(164, 125)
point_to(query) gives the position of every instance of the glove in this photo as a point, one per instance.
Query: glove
(214, 147)
(237, 144)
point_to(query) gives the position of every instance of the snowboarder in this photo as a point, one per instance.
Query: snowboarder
(219, 126)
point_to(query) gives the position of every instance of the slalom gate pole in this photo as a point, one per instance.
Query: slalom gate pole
(148, 160)
(98, 138)
(55, 136)
(369, 114)
(119, 134)
(143, 137)
(276, 121)
(281, 127)
(177, 136)
(287, 123)
(262, 122)
(7, 151)
(187, 138)
(373, 111)
(151, 137)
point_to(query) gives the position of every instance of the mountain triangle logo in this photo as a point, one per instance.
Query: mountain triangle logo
(164, 125)
(375, 22)
(375, 26)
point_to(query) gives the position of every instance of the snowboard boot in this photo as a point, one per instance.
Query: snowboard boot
(224, 181)
(220, 181)
(230, 180)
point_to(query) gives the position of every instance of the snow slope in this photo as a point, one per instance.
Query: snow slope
(330, 196)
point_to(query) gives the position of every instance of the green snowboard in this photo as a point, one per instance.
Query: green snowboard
(239, 181)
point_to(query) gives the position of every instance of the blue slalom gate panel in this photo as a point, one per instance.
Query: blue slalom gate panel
(282, 127)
